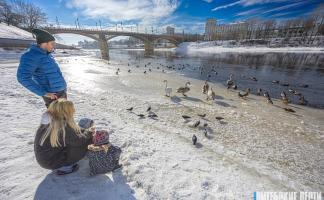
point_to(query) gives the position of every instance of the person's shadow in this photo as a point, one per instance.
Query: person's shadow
(80, 185)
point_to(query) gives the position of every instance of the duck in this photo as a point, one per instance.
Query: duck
(259, 92)
(244, 94)
(230, 81)
(291, 90)
(186, 117)
(303, 85)
(234, 87)
(219, 118)
(297, 93)
(184, 89)
(269, 100)
(302, 100)
(202, 115)
(145, 72)
(141, 115)
(130, 109)
(152, 115)
(253, 78)
(275, 82)
(205, 87)
(167, 89)
(129, 71)
(266, 94)
(284, 97)
(205, 132)
(148, 109)
(211, 94)
(196, 124)
(194, 139)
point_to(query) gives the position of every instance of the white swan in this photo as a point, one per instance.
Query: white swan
(167, 89)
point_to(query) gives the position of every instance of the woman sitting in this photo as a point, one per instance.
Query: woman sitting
(60, 143)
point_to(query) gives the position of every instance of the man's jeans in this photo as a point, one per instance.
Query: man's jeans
(60, 94)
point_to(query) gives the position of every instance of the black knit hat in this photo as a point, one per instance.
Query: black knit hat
(42, 36)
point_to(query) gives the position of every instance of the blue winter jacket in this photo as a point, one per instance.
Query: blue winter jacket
(39, 72)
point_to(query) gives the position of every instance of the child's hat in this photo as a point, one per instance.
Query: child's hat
(100, 137)
(85, 123)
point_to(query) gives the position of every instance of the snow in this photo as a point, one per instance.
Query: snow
(227, 47)
(13, 32)
(257, 147)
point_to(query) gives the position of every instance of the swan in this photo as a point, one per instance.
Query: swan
(167, 89)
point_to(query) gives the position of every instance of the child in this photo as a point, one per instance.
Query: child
(103, 156)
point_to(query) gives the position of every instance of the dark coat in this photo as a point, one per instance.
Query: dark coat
(74, 150)
(39, 72)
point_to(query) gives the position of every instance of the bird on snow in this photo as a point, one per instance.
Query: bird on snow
(130, 109)
(184, 89)
(168, 90)
(194, 139)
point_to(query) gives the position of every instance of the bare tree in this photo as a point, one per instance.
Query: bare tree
(32, 16)
(319, 18)
(5, 12)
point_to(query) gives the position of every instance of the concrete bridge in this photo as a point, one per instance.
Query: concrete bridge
(102, 36)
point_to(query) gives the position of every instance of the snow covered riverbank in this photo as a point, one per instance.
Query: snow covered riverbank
(258, 147)
(227, 47)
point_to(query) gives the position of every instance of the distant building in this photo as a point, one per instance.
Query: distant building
(169, 30)
(231, 31)
(210, 28)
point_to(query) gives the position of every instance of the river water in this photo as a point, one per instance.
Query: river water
(304, 72)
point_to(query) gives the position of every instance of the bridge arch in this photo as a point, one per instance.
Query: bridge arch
(143, 39)
(82, 34)
(171, 40)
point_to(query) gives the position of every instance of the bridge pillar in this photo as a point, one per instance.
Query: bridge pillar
(103, 45)
(149, 48)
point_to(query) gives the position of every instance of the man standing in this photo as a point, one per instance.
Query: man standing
(38, 71)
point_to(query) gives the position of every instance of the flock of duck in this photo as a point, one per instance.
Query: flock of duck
(210, 95)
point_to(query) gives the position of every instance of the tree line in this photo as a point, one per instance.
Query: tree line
(21, 13)
(305, 28)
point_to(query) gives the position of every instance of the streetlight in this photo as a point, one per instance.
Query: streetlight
(57, 22)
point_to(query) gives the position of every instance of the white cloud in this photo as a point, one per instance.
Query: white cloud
(208, 1)
(249, 12)
(145, 11)
(226, 6)
(285, 7)
(247, 3)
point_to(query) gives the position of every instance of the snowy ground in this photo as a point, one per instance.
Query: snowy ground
(13, 32)
(226, 47)
(257, 147)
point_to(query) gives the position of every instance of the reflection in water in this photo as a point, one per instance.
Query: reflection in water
(295, 69)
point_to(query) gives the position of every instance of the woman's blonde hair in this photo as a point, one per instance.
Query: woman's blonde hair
(61, 112)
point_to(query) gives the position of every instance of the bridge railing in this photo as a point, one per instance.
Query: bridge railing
(109, 31)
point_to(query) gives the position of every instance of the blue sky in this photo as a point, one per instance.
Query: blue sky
(187, 15)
